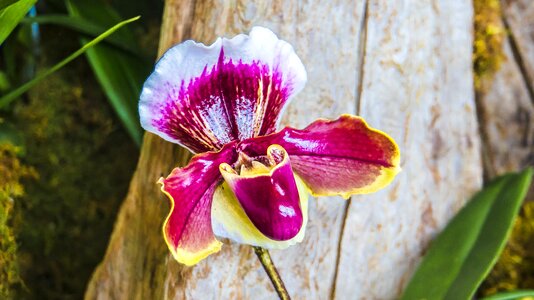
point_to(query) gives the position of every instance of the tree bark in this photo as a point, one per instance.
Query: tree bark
(507, 102)
(403, 65)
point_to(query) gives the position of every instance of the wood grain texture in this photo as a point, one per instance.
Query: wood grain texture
(383, 58)
(519, 16)
(417, 86)
(506, 102)
(507, 111)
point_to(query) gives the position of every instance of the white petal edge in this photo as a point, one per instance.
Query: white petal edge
(229, 220)
(188, 60)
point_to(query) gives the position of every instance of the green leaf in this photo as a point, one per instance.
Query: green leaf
(85, 27)
(120, 74)
(11, 15)
(464, 253)
(5, 100)
(513, 295)
(121, 78)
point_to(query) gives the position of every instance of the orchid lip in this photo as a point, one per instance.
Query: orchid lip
(268, 194)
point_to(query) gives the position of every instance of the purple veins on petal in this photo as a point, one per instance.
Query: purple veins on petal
(206, 96)
(229, 102)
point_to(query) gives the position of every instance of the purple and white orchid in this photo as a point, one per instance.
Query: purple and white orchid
(248, 182)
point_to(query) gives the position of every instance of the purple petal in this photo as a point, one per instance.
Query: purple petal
(187, 229)
(206, 96)
(341, 157)
(268, 194)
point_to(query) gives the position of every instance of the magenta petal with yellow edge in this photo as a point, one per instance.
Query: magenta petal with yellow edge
(203, 97)
(268, 193)
(340, 157)
(188, 229)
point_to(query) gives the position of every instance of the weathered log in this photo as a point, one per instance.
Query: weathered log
(506, 101)
(406, 67)
(518, 15)
(417, 85)
(507, 118)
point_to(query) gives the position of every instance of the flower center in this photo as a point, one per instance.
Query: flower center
(258, 165)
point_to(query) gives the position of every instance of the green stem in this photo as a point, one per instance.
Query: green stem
(270, 269)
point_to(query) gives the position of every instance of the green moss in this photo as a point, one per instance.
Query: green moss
(13, 171)
(489, 35)
(85, 161)
(515, 268)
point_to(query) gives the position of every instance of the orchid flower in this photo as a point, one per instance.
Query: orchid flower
(247, 182)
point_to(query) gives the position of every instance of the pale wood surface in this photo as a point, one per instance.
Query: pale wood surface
(417, 85)
(406, 67)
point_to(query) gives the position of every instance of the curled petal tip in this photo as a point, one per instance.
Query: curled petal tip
(276, 154)
(225, 168)
(192, 258)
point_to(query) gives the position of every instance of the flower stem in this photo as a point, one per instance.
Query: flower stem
(270, 269)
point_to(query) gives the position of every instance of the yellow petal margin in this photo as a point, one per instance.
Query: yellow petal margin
(336, 157)
(387, 174)
(188, 257)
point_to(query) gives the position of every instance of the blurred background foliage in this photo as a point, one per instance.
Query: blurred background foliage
(69, 146)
